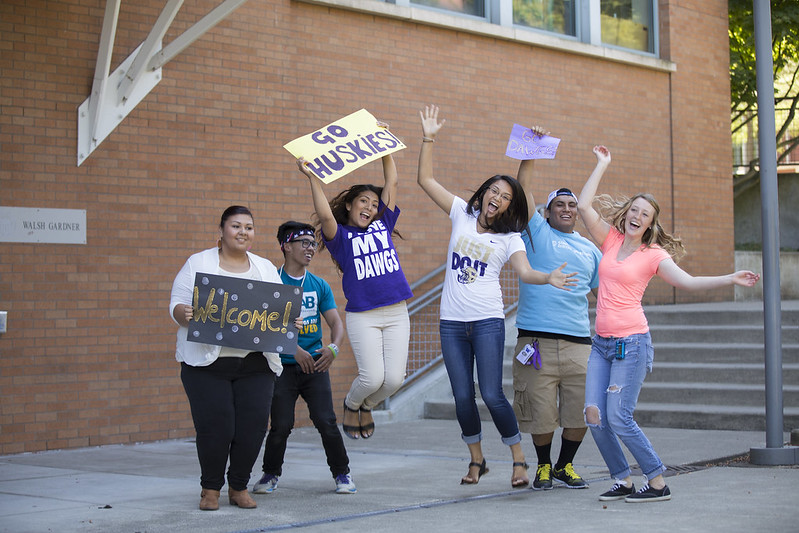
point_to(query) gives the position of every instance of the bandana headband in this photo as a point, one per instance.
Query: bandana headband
(294, 234)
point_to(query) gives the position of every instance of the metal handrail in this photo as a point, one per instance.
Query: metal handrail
(424, 350)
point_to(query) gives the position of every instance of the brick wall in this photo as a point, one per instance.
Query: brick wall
(89, 354)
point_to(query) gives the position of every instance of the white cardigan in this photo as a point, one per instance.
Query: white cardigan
(195, 353)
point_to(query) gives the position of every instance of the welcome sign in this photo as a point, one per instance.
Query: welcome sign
(345, 145)
(247, 314)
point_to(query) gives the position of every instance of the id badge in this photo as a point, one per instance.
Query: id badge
(529, 355)
(621, 349)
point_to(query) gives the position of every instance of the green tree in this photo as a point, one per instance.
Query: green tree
(785, 53)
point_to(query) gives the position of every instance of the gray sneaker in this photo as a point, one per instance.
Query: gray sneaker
(266, 485)
(344, 484)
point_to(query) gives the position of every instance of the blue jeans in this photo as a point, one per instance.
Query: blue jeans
(612, 386)
(482, 341)
(315, 390)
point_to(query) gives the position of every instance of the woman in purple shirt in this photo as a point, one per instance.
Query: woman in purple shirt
(357, 227)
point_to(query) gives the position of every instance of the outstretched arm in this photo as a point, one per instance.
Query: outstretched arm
(677, 277)
(525, 175)
(320, 203)
(597, 227)
(557, 278)
(430, 127)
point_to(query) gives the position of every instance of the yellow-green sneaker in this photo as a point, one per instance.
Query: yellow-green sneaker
(568, 476)
(543, 477)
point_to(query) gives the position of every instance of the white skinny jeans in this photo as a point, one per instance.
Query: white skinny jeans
(379, 339)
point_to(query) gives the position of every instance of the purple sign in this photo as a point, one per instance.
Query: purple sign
(524, 144)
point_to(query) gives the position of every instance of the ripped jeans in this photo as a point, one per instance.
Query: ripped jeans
(613, 385)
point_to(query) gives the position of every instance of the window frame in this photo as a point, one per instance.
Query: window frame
(498, 23)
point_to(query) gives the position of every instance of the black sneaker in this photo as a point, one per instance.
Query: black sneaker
(568, 476)
(648, 494)
(619, 491)
(543, 478)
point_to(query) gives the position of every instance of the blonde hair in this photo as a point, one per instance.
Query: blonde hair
(614, 211)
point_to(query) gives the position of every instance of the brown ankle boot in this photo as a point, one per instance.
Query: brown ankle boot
(241, 498)
(209, 500)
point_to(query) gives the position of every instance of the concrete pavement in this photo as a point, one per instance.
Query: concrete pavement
(408, 480)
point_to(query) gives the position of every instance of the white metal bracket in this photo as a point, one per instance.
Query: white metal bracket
(109, 110)
(115, 95)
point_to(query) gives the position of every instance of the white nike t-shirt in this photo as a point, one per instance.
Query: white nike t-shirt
(474, 261)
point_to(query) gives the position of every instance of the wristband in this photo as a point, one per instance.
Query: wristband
(334, 349)
(428, 140)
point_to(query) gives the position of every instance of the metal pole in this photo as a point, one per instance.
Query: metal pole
(774, 453)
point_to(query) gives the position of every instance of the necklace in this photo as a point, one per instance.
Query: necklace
(302, 280)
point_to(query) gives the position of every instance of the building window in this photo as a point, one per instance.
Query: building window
(551, 15)
(467, 7)
(586, 27)
(627, 23)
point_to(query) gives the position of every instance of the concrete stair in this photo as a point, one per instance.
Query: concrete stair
(709, 370)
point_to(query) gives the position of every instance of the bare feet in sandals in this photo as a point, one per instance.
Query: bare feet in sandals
(520, 478)
(476, 471)
(367, 423)
(351, 423)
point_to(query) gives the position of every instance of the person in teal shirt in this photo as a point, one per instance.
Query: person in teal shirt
(305, 373)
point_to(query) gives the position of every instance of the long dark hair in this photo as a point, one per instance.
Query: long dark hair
(338, 206)
(514, 218)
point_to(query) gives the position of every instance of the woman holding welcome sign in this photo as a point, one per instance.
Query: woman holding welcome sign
(485, 235)
(229, 390)
(357, 227)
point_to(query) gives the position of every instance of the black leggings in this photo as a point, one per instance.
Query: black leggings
(230, 402)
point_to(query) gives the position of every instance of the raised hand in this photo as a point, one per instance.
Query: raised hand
(602, 154)
(539, 131)
(430, 123)
(302, 164)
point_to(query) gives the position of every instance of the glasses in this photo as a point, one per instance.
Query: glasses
(496, 192)
(307, 243)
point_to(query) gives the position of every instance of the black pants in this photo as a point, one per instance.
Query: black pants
(230, 401)
(315, 390)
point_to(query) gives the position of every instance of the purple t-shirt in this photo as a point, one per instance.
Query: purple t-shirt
(372, 275)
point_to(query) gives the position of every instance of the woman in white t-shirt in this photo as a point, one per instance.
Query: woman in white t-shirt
(485, 235)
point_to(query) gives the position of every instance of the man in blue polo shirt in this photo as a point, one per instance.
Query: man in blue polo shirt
(306, 372)
(554, 339)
